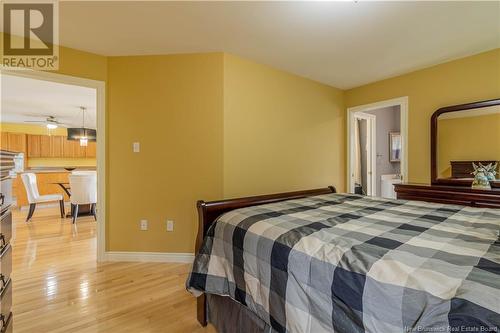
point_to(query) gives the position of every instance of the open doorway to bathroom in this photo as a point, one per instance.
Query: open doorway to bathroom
(377, 147)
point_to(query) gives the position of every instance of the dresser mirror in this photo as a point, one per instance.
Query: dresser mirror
(462, 135)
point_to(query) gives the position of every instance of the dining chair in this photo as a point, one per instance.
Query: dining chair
(84, 172)
(83, 192)
(34, 197)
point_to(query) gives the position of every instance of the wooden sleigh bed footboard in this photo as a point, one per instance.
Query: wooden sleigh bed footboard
(209, 211)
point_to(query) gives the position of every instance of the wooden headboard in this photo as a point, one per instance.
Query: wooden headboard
(463, 169)
(209, 211)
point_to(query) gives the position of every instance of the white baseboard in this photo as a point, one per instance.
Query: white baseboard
(149, 256)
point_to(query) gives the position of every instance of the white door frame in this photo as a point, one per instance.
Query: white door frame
(402, 102)
(99, 86)
(371, 142)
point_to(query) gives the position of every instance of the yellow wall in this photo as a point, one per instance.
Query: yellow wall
(282, 132)
(465, 80)
(77, 63)
(31, 129)
(468, 139)
(82, 64)
(173, 106)
(46, 162)
(210, 126)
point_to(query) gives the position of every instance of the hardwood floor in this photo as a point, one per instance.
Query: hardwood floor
(59, 287)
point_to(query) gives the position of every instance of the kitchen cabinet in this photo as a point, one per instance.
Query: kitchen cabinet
(79, 150)
(69, 148)
(51, 145)
(45, 145)
(4, 143)
(91, 150)
(34, 145)
(17, 142)
(56, 148)
(72, 148)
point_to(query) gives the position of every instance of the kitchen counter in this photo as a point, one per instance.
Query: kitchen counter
(55, 169)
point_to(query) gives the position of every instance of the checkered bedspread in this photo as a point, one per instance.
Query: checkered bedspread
(346, 263)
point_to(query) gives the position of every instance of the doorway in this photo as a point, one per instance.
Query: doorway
(100, 144)
(377, 151)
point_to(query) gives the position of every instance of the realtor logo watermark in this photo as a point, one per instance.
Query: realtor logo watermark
(30, 34)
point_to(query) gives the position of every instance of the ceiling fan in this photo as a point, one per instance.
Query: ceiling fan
(51, 122)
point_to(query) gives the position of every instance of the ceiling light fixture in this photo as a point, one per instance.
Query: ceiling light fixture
(82, 134)
(51, 126)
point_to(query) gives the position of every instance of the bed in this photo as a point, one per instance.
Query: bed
(319, 261)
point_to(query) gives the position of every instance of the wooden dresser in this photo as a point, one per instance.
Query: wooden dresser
(6, 165)
(457, 189)
(460, 195)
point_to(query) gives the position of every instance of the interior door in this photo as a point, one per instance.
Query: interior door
(367, 142)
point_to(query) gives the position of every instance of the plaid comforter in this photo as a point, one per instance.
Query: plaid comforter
(347, 263)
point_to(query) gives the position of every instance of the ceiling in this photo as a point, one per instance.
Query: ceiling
(343, 44)
(25, 99)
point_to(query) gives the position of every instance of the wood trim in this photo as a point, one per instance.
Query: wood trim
(449, 195)
(209, 211)
(434, 133)
(371, 137)
(463, 182)
(402, 102)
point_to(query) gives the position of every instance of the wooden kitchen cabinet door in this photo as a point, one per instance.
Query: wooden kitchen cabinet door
(91, 149)
(4, 143)
(17, 142)
(68, 147)
(79, 150)
(33, 145)
(45, 143)
(57, 146)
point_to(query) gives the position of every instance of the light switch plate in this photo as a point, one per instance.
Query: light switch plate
(136, 147)
(144, 225)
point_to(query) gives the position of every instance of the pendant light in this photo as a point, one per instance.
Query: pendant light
(82, 134)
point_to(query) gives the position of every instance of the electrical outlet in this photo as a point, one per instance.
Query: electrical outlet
(170, 225)
(136, 147)
(144, 225)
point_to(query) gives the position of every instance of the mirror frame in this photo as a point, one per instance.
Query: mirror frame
(391, 136)
(434, 135)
